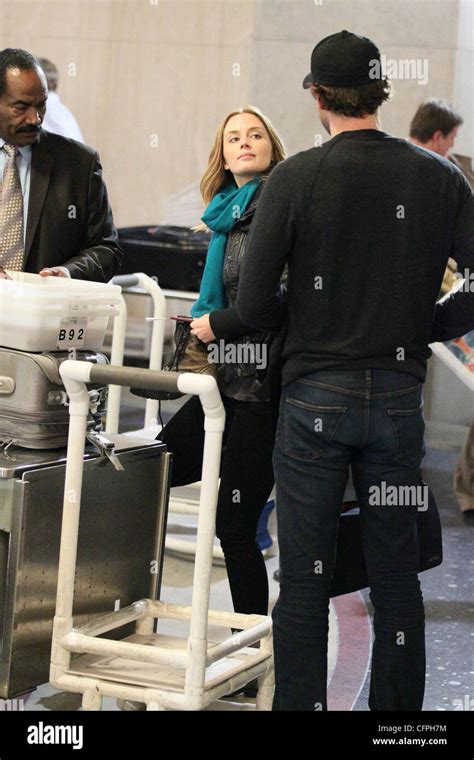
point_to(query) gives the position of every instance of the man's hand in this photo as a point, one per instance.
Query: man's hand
(54, 272)
(201, 328)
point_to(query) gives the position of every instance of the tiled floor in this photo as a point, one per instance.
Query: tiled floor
(447, 591)
(449, 598)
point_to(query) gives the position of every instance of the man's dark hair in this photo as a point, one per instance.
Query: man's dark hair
(432, 115)
(353, 101)
(14, 58)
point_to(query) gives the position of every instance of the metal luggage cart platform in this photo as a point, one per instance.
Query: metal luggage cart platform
(123, 522)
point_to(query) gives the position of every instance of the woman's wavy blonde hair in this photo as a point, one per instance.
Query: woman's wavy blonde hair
(215, 176)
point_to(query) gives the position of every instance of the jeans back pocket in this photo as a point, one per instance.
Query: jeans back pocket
(309, 429)
(408, 427)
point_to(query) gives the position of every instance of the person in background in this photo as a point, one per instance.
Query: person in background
(55, 217)
(464, 476)
(350, 218)
(58, 117)
(435, 127)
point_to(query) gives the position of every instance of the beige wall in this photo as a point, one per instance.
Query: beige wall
(463, 84)
(287, 30)
(167, 68)
(142, 70)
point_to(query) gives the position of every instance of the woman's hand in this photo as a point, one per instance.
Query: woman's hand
(201, 328)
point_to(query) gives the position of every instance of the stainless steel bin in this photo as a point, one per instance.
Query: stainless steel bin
(120, 550)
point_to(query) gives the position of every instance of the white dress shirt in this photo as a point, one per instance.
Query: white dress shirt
(59, 119)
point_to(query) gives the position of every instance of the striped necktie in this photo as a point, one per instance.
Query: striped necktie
(12, 249)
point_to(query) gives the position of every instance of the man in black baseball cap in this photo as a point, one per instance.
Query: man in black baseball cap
(365, 223)
(344, 59)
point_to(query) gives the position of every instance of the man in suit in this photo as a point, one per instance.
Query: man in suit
(435, 126)
(55, 218)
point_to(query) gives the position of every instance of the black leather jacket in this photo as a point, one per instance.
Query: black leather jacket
(240, 377)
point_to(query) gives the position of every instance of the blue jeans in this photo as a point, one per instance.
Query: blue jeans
(371, 421)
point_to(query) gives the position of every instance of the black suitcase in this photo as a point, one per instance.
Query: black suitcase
(175, 255)
(350, 571)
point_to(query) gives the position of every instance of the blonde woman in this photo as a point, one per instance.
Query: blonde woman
(245, 150)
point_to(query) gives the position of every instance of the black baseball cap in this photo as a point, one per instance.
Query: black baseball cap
(344, 59)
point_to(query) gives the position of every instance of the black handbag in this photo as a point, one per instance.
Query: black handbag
(350, 571)
(190, 355)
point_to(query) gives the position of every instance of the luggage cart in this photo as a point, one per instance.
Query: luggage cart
(187, 502)
(150, 428)
(185, 499)
(164, 672)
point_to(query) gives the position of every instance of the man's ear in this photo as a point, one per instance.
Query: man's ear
(437, 136)
(316, 95)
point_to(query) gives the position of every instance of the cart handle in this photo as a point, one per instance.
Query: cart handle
(204, 386)
(125, 280)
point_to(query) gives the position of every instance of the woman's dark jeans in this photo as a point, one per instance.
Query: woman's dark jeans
(371, 421)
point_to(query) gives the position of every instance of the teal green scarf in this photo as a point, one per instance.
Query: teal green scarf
(220, 216)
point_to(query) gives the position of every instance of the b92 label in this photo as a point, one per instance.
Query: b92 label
(71, 333)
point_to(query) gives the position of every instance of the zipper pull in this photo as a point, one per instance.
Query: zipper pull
(105, 447)
(5, 445)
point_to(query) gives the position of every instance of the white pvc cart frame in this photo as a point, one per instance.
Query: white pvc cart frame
(182, 505)
(161, 671)
(151, 287)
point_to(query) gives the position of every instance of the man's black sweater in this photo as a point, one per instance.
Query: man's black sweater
(366, 223)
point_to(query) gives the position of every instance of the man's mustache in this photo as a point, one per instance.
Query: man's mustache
(29, 130)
